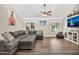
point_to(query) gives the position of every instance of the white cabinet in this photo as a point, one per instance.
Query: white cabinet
(73, 36)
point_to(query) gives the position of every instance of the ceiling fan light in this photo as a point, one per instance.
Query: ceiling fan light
(44, 15)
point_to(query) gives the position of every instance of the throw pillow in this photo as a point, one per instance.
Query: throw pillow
(8, 36)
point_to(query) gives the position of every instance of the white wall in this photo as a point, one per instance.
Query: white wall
(4, 19)
(46, 29)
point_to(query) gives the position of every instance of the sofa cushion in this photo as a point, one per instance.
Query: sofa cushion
(12, 45)
(3, 43)
(13, 34)
(17, 33)
(28, 40)
(21, 32)
(8, 36)
(22, 37)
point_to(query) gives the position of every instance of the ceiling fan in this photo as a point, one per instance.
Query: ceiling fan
(44, 12)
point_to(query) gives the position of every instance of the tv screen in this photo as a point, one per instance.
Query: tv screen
(73, 22)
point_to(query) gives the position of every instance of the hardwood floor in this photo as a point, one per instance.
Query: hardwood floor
(51, 46)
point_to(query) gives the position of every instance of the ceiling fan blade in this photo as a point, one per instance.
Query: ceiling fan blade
(41, 12)
(49, 11)
(49, 14)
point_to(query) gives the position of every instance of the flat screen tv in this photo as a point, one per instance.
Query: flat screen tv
(73, 22)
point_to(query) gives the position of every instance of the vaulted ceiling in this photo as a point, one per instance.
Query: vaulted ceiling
(33, 10)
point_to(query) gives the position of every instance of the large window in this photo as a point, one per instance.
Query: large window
(30, 26)
(55, 26)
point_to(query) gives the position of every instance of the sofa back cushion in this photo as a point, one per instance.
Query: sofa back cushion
(31, 32)
(21, 32)
(17, 33)
(8, 36)
(13, 34)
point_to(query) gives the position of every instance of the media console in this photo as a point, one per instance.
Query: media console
(72, 36)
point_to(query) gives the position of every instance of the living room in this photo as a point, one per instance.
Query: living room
(47, 25)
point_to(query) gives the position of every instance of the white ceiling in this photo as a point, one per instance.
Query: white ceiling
(33, 10)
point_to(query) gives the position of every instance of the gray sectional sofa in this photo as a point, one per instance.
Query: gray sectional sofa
(21, 39)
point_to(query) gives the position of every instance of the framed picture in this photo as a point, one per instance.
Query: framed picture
(43, 22)
(11, 19)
